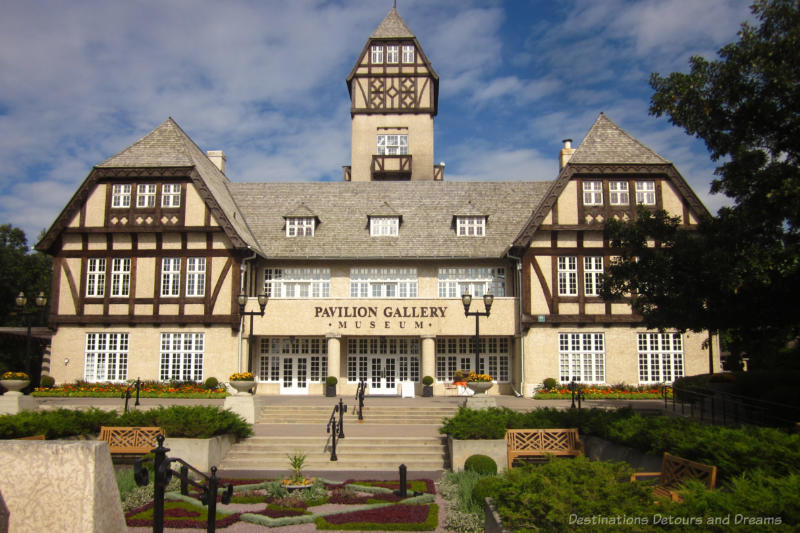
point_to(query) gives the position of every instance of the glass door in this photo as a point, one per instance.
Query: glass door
(383, 375)
(294, 374)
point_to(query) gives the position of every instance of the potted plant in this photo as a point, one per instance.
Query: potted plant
(14, 382)
(427, 387)
(297, 480)
(458, 376)
(242, 382)
(330, 386)
(479, 383)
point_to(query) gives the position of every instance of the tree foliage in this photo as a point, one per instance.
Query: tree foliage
(20, 271)
(741, 269)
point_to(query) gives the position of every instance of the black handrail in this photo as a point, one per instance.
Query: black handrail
(336, 427)
(362, 386)
(163, 475)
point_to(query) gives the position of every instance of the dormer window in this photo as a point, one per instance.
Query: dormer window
(377, 54)
(300, 227)
(395, 144)
(470, 226)
(384, 226)
(408, 53)
(392, 52)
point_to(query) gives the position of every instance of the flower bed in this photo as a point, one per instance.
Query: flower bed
(604, 393)
(149, 389)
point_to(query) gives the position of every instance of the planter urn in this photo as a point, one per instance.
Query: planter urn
(480, 387)
(14, 386)
(243, 387)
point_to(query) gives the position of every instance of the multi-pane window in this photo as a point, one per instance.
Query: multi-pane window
(96, 277)
(592, 275)
(300, 227)
(106, 357)
(120, 277)
(581, 357)
(392, 52)
(408, 53)
(383, 282)
(171, 276)
(453, 282)
(384, 226)
(402, 351)
(567, 276)
(297, 282)
(171, 195)
(471, 226)
(377, 54)
(195, 276)
(646, 192)
(458, 353)
(146, 195)
(274, 350)
(618, 193)
(393, 144)
(121, 195)
(181, 357)
(660, 357)
(593, 192)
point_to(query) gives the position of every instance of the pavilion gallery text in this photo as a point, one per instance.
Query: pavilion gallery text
(670, 520)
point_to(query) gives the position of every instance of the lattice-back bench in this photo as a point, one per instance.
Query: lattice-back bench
(538, 443)
(674, 471)
(130, 440)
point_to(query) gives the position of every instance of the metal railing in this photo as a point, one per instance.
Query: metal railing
(163, 475)
(577, 393)
(127, 394)
(362, 387)
(336, 427)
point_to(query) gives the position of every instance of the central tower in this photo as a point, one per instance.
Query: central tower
(394, 95)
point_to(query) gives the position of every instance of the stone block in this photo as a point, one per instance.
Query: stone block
(460, 450)
(200, 453)
(60, 486)
(242, 405)
(11, 404)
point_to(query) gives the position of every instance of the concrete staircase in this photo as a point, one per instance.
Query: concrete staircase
(390, 434)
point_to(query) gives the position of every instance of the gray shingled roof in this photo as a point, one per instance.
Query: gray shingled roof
(607, 143)
(169, 146)
(392, 27)
(427, 208)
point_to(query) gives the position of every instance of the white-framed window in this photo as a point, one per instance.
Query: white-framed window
(297, 282)
(453, 282)
(618, 193)
(582, 357)
(646, 192)
(592, 274)
(106, 357)
(405, 351)
(171, 195)
(408, 53)
(171, 276)
(96, 277)
(300, 227)
(121, 195)
(120, 277)
(377, 54)
(182, 357)
(470, 226)
(383, 282)
(458, 353)
(384, 226)
(274, 349)
(146, 195)
(593, 192)
(660, 357)
(567, 276)
(195, 276)
(393, 144)
(392, 52)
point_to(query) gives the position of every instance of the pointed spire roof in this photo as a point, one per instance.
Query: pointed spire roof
(607, 143)
(392, 27)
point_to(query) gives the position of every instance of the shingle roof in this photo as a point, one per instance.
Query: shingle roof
(607, 143)
(392, 27)
(427, 209)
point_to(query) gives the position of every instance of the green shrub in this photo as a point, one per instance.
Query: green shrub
(47, 382)
(486, 487)
(427, 380)
(481, 464)
(549, 383)
(211, 383)
(331, 381)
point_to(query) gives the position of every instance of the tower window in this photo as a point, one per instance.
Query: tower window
(393, 144)
(408, 53)
(391, 53)
(377, 54)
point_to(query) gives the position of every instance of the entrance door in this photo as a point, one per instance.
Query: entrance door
(294, 375)
(383, 375)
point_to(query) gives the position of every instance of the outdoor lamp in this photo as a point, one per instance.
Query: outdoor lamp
(488, 300)
(466, 299)
(21, 300)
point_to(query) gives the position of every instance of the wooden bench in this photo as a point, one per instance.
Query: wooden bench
(130, 440)
(674, 471)
(539, 443)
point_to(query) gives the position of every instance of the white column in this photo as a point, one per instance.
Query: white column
(334, 355)
(428, 363)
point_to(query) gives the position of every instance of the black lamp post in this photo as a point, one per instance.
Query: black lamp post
(21, 301)
(488, 299)
(262, 303)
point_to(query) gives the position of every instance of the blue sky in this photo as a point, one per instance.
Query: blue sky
(264, 80)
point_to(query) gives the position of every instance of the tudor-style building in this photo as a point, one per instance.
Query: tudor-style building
(363, 277)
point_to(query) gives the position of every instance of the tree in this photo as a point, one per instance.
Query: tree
(20, 270)
(741, 269)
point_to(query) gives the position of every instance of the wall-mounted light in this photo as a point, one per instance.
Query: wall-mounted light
(66, 361)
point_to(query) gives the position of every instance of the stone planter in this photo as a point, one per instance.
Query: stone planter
(427, 391)
(480, 387)
(243, 387)
(201, 453)
(14, 386)
(330, 391)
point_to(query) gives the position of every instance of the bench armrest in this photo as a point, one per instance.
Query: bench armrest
(636, 475)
